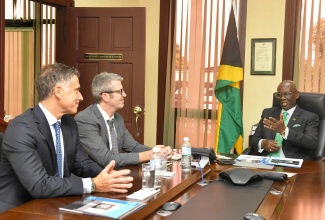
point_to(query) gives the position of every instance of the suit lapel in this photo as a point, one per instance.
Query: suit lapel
(101, 120)
(43, 127)
(295, 117)
(118, 130)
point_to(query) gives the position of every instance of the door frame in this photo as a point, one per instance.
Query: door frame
(2, 60)
(61, 11)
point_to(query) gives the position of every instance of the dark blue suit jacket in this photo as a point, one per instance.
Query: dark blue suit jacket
(28, 167)
(303, 133)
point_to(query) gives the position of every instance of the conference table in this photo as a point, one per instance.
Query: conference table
(302, 197)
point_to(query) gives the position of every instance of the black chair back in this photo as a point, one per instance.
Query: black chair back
(313, 102)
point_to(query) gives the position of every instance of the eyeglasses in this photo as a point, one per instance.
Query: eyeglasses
(121, 91)
(286, 95)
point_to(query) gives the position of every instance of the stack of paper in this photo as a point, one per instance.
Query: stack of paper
(142, 194)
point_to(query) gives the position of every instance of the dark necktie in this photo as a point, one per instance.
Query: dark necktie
(113, 135)
(278, 137)
(58, 148)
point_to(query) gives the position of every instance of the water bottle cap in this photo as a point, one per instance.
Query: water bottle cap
(186, 139)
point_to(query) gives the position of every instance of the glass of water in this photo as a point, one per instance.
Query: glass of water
(148, 176)
(163, 155)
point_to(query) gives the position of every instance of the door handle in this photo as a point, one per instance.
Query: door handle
(137, 111)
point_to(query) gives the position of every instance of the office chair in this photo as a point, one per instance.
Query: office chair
(313, 102)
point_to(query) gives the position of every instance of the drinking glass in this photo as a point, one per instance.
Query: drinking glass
(148, 176)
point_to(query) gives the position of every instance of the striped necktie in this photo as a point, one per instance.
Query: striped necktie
(58, 148)
(278, 137)
(113, 135)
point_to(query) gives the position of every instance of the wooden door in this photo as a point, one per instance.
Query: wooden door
(110, 40)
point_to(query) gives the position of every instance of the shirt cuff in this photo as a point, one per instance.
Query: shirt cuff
(87, 185)
(260, 147)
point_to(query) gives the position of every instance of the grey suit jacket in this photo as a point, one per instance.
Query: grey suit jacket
(303, 133)
(95, 140)
(28, 167)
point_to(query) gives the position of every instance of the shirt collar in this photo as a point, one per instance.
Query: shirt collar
(49, 117)
(104, 114)
(291, 110)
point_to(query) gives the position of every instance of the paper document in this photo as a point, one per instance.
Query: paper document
(287, 162)
(203, 162)
(252, 161)
(267, 162)
(142, 194)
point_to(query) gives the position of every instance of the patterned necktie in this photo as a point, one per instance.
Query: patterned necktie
(113, 135)
(278, 137)
(58, 147)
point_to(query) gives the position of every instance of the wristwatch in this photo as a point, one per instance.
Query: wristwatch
(284, 133)
(93, 185)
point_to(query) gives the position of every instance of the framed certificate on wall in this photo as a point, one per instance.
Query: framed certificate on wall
(263, 56)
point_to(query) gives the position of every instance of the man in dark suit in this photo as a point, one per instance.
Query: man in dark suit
(298, 135)
(95, 133)
(32, 147)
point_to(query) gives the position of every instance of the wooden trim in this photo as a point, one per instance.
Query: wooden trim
(61, 24)
(2, 60)
(162, 67)
(56, 3)
(242, 40)
(60, 31)
(290, 35)
(242, 30)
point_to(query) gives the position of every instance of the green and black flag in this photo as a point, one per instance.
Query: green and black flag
(227, 90)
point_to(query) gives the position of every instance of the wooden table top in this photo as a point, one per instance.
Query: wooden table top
(303, 195)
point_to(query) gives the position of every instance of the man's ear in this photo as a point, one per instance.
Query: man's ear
(104, 97)
(297, 94)
(57, 91)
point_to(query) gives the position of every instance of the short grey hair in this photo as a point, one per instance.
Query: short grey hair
(52, 75)
(102, 83)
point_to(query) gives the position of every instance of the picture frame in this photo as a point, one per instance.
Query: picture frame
(263, 56)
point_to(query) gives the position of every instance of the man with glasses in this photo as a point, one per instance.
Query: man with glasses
(102, 130)
(288, 131)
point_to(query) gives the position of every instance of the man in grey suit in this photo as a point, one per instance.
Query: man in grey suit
(94, 130)
(37, 160)
(299, 136)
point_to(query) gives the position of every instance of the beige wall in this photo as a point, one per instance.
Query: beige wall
(265, 19)
(152, 43)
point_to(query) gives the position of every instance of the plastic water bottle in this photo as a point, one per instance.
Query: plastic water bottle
(156, 161)
(186, 155)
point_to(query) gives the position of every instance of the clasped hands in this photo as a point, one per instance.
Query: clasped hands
(168, 149)
(273, 125)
